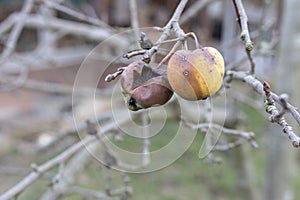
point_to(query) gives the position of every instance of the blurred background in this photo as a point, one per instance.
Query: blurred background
(43, 44)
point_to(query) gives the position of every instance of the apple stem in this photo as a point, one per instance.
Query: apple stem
(193, 35)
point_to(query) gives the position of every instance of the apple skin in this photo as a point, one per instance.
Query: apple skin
(197, 74)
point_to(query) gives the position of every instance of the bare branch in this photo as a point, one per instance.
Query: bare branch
(277, 117)
(251, 60)
(245, 35)
(194, 9)
(49, 87)
(167, 29)
(78, 15)
(134, 53)
(229, 146)
(258, 87)
(111, 77)
(243, 22)
(249, 136)
(69, 27)
(39, 170)
(261, 89)
(16, 31)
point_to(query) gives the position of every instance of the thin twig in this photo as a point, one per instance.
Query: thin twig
(49, 87)
(111, 77)
(171, 52)
(194, 9)
(261, 89)
(16, 31)
(78, 15)
(277, 117)
(228, 146)
(41, 169)
(243, 22)
(134, 53)
(258, 87)
(169, 26)
(245, 35)
(251, 60)
(68, 27)
(249, 136)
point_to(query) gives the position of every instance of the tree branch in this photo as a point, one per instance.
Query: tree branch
(194, 9)
(168, 27)
(40, 170)
(78, 15)
(259, 88)
(16, 31)
(67, 27)
(249, 136)
(277, 117)
(245, 35)
(243, 22)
